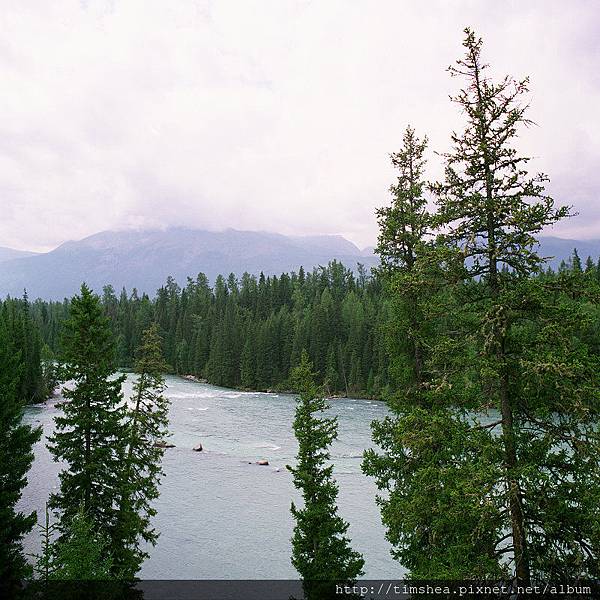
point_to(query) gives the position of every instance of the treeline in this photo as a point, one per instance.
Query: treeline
(249, 333)
(35, 377)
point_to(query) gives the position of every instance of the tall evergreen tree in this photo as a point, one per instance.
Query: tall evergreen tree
(589, 265)
(16, 456)
(90, 434)
(576, 261)
(500, 495)
(321, 550)
(425, 453)
(404, 227)
(492, 210)
(142, 469)
(32, 384)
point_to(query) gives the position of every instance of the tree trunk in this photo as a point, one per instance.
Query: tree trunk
(515, 505)
(88, 451)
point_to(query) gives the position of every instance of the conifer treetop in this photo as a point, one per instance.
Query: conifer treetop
(489, 204)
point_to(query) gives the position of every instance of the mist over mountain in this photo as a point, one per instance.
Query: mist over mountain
(144, 259)
(10, 254)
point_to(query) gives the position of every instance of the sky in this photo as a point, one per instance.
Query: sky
(275, 115)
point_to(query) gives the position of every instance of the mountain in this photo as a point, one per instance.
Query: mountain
(144, 259)
(10, 254)
(562, 249)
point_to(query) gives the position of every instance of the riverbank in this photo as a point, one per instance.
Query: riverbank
(281, 390)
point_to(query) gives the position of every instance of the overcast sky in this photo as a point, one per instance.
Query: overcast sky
(273, 115)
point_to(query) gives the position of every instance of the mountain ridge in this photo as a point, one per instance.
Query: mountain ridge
(10, 254)
(144, 258)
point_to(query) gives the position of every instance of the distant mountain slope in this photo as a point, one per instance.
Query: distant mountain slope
(10, 254)
(562, 249)
(144, 259)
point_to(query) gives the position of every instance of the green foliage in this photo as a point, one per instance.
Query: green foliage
(35, 382)
(113, 466)
(147, 423)
(553, 384)
(402, 247)
(439, 510)
(321, 549)
(248, 333)
(492, 209)
(16, 456)
(488, 457)
(49, 370)
(45, 564)
(405, 223)
(83, 553)
(428, 462)
(90, 435)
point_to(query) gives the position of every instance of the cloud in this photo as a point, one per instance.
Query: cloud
(275, 115)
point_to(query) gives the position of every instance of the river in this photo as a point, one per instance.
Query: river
(220, 515)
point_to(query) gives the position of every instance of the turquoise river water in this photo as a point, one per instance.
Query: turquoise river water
(219, 516)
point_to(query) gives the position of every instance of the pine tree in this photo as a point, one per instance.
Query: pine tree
(331, 371)
(46, 565)
(16, 456)
(492, 210)
(83, 553)
(576, 261)
(321, 551)
(90, 435)
(142, 469)
(33, 388)
(248, 360)
(423, 446)
(589, 265)
(404, 227)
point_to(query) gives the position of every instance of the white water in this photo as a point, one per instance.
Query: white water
(221, 517)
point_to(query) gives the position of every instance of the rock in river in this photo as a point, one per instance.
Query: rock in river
(161, 444)
(262, 462)
(197, 447)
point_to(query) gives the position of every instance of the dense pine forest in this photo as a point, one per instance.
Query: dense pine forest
(35, 373)
(250, 332)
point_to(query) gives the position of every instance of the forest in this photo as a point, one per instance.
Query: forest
(489, 361)
(249, 333)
